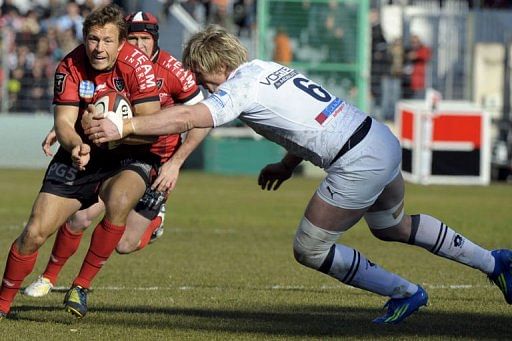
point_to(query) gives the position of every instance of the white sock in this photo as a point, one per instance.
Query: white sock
(436, 237)
(352, 268)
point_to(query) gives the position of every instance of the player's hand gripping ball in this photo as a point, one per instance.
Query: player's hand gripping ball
(116, 107)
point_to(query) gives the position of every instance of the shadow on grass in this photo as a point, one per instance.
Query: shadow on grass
(293, 321)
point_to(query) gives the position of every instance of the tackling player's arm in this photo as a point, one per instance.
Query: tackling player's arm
(143, 109)
(172, 120)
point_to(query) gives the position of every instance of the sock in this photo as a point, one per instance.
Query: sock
(65, 245)
(352, 268)
(103, 242)
(434, 236)
(16, 269)
(146, 237)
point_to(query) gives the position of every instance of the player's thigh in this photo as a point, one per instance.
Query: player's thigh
(121, 192)
(392, 195)
(324, 214)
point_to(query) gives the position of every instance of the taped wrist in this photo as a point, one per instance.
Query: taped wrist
(117, 120)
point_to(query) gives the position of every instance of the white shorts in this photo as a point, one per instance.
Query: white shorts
(357, 178)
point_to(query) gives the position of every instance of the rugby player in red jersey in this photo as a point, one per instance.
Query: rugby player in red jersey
(175, 85)
(81, 171)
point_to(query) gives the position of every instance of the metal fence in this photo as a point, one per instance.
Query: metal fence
(326, 39)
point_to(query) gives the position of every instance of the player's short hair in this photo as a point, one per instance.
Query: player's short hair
(109, 14)
(212, 48)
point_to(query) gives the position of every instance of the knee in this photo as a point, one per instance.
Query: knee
(312, 244)
(79, 222)
(398, 233)
(389, 225)
(31, 239)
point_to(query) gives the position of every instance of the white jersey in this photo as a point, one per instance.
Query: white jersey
(287, 108)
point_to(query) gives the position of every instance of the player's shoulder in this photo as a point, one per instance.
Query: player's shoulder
(131, 57)
(76, 57)
(255, 69)
(168, 62)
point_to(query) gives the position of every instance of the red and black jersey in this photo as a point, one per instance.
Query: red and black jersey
(175, 86)
(78, 84)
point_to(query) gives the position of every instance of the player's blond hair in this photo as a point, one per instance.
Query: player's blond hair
(211, 49)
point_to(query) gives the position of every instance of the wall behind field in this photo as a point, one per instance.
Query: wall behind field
(20, 140)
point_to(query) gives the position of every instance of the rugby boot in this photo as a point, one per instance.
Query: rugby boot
(41, 287)
(75, 301)
(401, 308)
(159, 231)
(502, 274)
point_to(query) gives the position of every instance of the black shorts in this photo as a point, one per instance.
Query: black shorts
(64, 180)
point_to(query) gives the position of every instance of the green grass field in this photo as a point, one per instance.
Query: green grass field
(224, 269)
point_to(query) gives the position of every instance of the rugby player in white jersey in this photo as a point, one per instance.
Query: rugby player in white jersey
(360, 155)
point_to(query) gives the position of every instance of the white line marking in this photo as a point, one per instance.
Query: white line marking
(270, 287)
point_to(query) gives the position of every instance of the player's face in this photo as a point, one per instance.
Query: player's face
(102, 46)
(143, 41)
(212, 80)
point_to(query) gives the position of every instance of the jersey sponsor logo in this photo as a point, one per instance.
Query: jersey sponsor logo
(331, 111)
(146, 77)
(86, 89)
(59, 82)
(62, 173)
(188, 81)
(159, 83)
(119, 84)
(279, 77)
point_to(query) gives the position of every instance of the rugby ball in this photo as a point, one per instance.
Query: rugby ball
(114, 105)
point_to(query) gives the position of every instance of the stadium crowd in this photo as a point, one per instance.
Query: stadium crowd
(37, 34)
(36, 37)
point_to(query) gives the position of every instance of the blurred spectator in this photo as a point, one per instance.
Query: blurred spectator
(219, 14)
(71, 20)
(244, 16)
(417, 57)
(392, 79)
(38, 94)
(14, 88)
(68, 40)
(378, 58)
(283, 52)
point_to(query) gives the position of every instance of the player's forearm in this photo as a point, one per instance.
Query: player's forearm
(67, 137)
(291, 161)
(167, 121)
(193, 139)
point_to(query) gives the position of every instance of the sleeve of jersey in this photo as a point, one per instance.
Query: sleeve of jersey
(228, 102)
(184, 87)
(65, 86)
(142, 84)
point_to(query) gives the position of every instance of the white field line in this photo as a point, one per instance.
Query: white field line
(269, 287)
